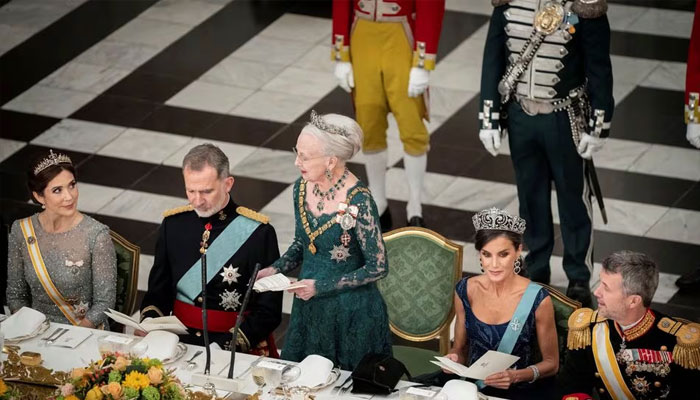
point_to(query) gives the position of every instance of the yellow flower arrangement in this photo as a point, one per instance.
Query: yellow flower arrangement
(136, 380)
(118, 376)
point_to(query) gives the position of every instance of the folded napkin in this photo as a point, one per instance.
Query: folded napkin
(161, 345)
(72, 338)
(459, 390)
(22, 323)
(314, 371)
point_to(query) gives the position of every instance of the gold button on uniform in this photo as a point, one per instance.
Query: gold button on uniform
(664, 348)
(657, 384)
(601, 390)
(198, 333)
(199, 299)
(597, 375)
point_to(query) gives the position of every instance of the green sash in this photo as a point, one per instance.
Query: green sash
(220, 251)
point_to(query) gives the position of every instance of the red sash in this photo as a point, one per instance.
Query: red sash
(220, 322)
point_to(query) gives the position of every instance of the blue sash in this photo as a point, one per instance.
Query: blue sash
(221, 250)
(510, 337)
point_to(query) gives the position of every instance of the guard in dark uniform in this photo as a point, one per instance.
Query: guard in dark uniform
(235, 239)
(547, 81)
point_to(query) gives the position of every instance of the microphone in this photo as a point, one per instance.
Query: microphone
(239, 319)
(205, 331)
(229, 383)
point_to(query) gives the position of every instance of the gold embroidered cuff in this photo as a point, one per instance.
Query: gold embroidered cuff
(692, 113)
(242, 341)
(151, 308)
(340, 51)
(423, 60)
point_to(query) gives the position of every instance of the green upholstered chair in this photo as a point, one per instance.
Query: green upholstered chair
(563, 308)
(127, 273)
(424, 268)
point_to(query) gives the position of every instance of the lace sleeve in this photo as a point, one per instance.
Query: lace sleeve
(292, 258)
(18, 294)
(104, 278)
(373, 250)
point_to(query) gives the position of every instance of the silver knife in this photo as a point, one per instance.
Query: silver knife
(50, 337)
(59, 335)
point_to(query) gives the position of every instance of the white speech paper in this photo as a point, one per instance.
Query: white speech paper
(489, 363)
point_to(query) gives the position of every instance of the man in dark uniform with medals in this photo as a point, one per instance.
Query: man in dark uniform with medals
(547, 81)
(625, 350)
(235, 239)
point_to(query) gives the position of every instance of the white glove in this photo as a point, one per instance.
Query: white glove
(418, 81)
(491, 138)
(692, 133)
(589, 145)
(343, 72)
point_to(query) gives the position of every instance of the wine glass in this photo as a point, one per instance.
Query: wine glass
(290, 373)
(258, 374)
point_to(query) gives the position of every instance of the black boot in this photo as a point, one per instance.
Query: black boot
(416, 221)
(385, 221)
(580, 291)
(690, 280)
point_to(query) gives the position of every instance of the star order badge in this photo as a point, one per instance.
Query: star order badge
(230, 274)
(230, 300)
(82, 308)
(340, 253)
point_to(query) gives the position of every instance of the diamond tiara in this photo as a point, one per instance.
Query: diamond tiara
(318, 122)
(495, 219)
(51, 160)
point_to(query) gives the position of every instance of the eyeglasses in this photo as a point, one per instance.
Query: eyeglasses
(301, 158)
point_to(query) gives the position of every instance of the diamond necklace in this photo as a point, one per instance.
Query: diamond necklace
(330, 193)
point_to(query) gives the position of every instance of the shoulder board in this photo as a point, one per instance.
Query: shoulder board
(177, 210)
(590, 8)
(254, 215)
(686, 352)
(579, 327)
(497, 3)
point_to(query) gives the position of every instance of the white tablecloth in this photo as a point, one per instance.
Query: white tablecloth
(65, 359)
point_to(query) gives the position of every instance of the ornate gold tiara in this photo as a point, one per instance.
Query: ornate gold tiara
(51, 160)
(318, 122)
(495, 219)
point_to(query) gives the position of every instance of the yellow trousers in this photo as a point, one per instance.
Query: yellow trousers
(381, 58)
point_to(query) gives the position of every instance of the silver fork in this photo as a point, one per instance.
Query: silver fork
(55, 338)
(191, 364)
(52, 334)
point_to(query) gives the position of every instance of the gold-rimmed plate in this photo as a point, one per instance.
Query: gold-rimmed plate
(38, 331)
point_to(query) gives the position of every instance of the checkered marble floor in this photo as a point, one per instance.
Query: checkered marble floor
(126, 88)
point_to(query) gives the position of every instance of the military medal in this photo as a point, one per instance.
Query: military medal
(205, 238)
(339, 253)
(82, 308)
(230, 275)
(549, 18)
(230, 299)
(346, 218)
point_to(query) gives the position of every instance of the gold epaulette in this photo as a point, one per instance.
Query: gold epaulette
(686, 352)
(177, 210)
(580, 328)
(254, 215)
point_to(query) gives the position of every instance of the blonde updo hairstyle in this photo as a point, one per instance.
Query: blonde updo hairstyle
(343, 147)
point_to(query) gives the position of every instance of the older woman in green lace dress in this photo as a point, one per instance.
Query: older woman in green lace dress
(339, 312)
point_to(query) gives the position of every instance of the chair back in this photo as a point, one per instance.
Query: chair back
(563, 308)
(127, 273)
(424, 268)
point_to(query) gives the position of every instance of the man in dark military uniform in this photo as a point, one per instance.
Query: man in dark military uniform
(625, 350)
(235, 239)
(547, 80)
